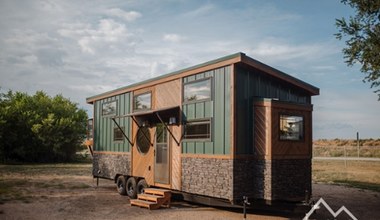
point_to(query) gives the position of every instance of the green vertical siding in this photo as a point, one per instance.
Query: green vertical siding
(251, 85)
(218, 109)
(104, 126)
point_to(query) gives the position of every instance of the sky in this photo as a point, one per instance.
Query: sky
(83, 48)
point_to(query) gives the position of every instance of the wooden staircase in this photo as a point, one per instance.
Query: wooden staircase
(153, 198)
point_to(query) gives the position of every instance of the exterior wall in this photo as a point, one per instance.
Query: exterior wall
(104, 126)
(207, 176)
(218, 109)
(109, 165)
(252, 84)
(285, 180)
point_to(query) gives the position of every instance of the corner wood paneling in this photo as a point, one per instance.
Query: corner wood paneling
(282, 149)
(168, 95)
(267, 142)
(175, 159)
(261, 128)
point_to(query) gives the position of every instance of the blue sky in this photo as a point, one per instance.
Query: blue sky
(83, 48)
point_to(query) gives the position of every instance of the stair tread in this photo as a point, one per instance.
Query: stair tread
(155, 191)
(142, 202)
(149, 197)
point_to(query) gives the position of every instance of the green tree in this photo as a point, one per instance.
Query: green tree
(39, 128)
(363, 43)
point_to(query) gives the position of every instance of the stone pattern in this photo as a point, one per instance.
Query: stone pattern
(284, 180)
(109, 165)
(207, 176)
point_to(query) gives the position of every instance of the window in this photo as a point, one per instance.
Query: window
(291, 127)
(198, 130)
(109, 108)
(143, 140)
(197, 91)
(118, 134)
(142, 102)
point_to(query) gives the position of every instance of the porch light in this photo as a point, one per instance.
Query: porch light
(172, 120)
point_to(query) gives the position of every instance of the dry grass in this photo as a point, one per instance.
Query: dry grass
(360, 174)
(23, 182)
(336, 148)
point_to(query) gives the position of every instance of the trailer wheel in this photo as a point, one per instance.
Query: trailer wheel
(131, 188)
(120, 185)
(141, 185)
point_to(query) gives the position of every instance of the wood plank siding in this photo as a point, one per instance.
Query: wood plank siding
(104, 126)
(218, 109)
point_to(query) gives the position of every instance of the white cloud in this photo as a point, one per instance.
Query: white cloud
(175, 38)
(108, 35)
(126, 15)
(277, 50)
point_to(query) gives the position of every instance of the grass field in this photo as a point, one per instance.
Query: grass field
(359, 174)
(337, 148)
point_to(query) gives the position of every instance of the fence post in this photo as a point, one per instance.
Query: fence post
(358, 143)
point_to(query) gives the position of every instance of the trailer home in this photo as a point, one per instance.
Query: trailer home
(223, 129)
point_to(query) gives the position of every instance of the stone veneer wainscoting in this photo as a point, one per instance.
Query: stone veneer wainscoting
(111, 164)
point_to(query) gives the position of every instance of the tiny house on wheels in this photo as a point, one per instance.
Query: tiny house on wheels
(223, 129)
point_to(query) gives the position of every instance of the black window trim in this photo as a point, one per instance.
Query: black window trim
(122, 136)
(205, 120)
(290, 114)
(116, 108)
(142, 110)
(196, 81)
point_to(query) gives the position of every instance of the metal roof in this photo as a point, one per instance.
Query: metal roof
(223, 61)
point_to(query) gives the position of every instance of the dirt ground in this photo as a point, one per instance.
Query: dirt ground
(67, 195)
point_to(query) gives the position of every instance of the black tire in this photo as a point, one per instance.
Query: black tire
(121, 185)
(131, 188)
(141, 185)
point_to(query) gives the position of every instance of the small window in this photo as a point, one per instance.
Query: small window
(197, 91)
(143, 140)
(291, 127)
(142, 102)
(109, 108)
(118, 134)
(198, 130)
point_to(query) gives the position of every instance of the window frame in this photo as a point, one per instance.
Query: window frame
(112, 113)
(198, 121)
(121, 132)
(287, 114)
(197, 81)
(140, 94)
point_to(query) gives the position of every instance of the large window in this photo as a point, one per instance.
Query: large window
(118, 134)
(197, 91)
(291, 127)
(142, 102)
(200, 129)
(109, 108)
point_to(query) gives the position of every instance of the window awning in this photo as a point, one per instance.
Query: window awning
(165, 116)
(157, 116)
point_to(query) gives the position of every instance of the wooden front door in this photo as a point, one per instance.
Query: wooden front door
(162, 156)
(143, 154)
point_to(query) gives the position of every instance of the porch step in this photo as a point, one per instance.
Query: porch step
(153, 198)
